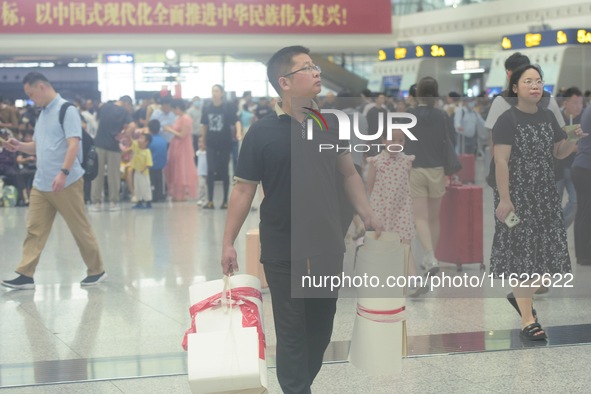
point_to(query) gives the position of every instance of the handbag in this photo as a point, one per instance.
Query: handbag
(451, 163)
(226, 341)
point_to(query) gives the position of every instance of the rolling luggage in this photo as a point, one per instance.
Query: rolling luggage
(467, 174)
(461, 235)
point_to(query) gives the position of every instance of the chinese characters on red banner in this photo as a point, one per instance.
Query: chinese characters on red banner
(105, 14)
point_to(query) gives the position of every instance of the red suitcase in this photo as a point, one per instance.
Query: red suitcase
(467, 173)
(460, 240)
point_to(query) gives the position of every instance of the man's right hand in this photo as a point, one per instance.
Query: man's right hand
(12, 145)
(229, 260)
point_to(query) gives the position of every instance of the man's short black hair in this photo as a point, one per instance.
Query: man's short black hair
(154, 126)
(166, 100)
(280, 64)
(516, 60)
(126, 99)
(178, 103)
(148, 138)
(573, 91)
(34, 77)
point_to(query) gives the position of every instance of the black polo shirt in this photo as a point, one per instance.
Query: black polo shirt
(300, 210)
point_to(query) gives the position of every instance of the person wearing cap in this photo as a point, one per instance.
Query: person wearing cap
(114, 118)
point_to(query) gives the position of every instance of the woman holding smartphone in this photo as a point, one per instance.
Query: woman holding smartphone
(529, 245)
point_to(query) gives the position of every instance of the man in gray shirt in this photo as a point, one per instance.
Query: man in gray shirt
(58, 185)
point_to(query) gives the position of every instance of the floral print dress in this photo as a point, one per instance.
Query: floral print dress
(390, 198)
(538, 244)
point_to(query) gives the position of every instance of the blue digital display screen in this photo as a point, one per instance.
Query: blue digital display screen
(420, 51)
(491, 92)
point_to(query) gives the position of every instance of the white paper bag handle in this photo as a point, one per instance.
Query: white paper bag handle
(227, 295)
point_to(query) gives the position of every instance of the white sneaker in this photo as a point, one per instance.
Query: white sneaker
(95, 208)
(200, 203)
(114, 207)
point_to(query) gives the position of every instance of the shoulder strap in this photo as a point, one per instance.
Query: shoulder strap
(63, 110)
(513, 120)
(446, 120)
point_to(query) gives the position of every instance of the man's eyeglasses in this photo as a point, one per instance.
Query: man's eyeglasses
(307, 70)
(536, 82)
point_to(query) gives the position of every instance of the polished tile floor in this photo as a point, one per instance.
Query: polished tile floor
(132, 325)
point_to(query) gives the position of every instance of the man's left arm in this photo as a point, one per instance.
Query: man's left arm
(60, 180)
(356, 192)
(72, 127)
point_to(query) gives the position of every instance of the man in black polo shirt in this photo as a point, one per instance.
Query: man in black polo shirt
(300, 225)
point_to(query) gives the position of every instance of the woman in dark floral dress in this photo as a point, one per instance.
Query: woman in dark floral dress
(526, 137)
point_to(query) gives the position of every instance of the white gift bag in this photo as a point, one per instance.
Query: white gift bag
(383, 258)
(378, 343)
(226, 345)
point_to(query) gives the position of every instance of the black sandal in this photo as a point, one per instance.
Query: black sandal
(542, 290)
(532, 332)
(513, 302)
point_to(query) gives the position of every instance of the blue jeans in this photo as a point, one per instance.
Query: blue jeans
(570, 209)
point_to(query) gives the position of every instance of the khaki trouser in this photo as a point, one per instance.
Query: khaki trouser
(113, 162)
(42, 209)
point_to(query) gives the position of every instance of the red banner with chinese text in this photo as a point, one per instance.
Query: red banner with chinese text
(197, 16)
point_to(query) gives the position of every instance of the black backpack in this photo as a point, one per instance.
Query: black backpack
(89, 155)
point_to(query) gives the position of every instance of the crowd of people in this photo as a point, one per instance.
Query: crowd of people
(178, 134)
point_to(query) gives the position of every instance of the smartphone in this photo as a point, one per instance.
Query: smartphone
(512, 220)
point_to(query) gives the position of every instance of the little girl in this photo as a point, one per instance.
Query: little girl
(389, 189)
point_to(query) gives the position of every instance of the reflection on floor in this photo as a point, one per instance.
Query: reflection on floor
(159, 365)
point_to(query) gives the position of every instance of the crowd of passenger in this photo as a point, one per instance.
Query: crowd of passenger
(178, 169)
(173, 127)
(167, 149)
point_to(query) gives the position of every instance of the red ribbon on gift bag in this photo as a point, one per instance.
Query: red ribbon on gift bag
(382, 316)
(235, 297)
